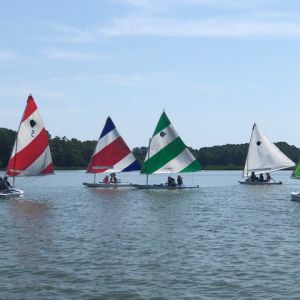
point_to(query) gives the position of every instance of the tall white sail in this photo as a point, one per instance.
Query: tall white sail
(263, 156)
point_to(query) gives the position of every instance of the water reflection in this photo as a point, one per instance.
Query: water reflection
(31, 222)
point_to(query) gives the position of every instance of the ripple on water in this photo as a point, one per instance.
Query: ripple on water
(65, 241)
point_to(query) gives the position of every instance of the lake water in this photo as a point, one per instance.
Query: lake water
(224, 240)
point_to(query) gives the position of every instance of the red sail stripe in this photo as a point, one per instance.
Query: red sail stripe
(109, 155)
(30, 108)
(24, 158)
(48, 170)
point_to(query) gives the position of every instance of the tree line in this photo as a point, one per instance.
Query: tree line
(73, 153)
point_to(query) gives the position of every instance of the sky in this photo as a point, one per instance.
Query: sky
(215, 66)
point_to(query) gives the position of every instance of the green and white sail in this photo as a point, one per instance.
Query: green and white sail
(167, 153)
(296, 172)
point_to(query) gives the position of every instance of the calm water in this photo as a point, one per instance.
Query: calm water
(225, 240)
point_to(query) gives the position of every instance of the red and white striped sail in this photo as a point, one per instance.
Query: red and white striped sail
(31, 153)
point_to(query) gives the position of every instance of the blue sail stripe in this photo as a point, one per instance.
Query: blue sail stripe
(135, 166)
(109, 126)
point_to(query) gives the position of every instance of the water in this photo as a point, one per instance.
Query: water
(225, 240)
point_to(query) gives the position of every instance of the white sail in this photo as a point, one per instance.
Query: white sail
(263, 156)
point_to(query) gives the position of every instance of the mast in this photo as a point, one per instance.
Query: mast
(246, 165)
(147, 175)
(16, 143)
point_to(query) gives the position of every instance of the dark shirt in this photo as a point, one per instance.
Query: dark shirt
(2, 185)
(179, 180)
(7, 183)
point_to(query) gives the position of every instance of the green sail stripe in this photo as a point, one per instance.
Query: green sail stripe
(193, 167)
(163, 156)
(162, 123)
(297, 171)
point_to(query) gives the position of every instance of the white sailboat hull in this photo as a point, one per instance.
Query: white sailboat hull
(11, 193)
(107, 185)
(162, 187)
(295, 196)
(260, 182)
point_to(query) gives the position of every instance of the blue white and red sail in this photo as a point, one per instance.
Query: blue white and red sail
(112, 153)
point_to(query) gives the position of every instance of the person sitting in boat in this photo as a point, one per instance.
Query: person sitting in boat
(268, 177)
(253, 177)
(171, 181)
(106, 179)
(3, 186)
(7, 182)
(113, 178)
(261, 177)
(179, 180)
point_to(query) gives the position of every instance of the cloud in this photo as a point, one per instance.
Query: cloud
(140, 3)
(176, 18)
(73, 35)
(7, 55)
(210, 27)
(162, 5)
(121, 79)
(223, 19)
(55, 53)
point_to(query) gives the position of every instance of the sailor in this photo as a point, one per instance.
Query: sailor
(113, 178)
(106, 179)
(2, 185)
(171, 181)
(179, 180)
(261, 177)
(7, 183)
(253, 176)
(268, 177)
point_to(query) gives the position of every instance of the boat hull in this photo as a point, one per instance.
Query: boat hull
(11, 193)
(295, 196)
(260, 182)
(162, 187)
(106, 185)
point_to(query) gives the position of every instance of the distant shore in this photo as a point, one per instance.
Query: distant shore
(207, 168)
(72, 154)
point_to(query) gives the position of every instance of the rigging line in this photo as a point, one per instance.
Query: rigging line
(26, 180)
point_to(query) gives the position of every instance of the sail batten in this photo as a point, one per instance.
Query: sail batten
(263, 156)
(111, 153)
(167, 153)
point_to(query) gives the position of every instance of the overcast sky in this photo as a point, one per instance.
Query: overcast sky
(215, 66)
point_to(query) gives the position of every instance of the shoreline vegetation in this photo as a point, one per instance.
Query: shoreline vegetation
(73, 154)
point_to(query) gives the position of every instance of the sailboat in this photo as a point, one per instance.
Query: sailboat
(295, 196)
(31, 154)
(263, 157)
(111, 155)
(167, 153)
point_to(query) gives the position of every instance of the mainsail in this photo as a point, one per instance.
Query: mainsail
(112, 153)
(167, 153)
(31, 153)
(263, 156)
